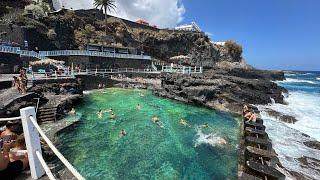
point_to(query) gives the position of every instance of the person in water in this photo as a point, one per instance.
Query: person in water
(73, 111)
(108, 110)
(100, 114)
(138, 107)
(205, 125)
(112, 116)
(184, 122)
(156, 120)
(221, 141)
(123, 133)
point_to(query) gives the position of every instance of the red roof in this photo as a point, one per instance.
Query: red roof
(141, 21)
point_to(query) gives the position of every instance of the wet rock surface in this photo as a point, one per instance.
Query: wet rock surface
(281, 117)
(312, 144)
(219, 90)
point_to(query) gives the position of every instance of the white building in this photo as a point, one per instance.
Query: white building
(221, 43)
(189, 27)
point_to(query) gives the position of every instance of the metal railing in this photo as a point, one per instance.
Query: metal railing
(44, 54)
(182, 69)
(9, 49)
(31, 130)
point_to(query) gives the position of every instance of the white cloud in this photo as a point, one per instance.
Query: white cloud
(162, 13)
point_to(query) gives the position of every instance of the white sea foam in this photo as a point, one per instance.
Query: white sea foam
(87, 92)
(318, 78)
(292, 80)
(209, 139)
(287, 139)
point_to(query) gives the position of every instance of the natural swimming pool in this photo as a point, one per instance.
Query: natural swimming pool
(148, 151)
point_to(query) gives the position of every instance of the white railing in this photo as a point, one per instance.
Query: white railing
(9, 49)
(44, 54)
(31, 130)
(182, 69)
(114, 71)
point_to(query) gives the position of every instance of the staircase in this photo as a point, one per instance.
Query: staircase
(45, 114)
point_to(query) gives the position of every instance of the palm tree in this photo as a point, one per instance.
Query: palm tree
(106, 5)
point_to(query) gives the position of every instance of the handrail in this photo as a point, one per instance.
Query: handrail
(45, 166)
(10, 119)
(44, 54)
(56, 151)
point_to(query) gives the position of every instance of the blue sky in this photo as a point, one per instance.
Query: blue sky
(275, 34)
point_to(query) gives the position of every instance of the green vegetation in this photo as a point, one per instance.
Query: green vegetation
(36, 11)
(234, 49)
(106, 5)
(84, 35)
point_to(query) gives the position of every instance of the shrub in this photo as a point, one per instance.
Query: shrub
(35, 10)
(51, 34)
(234, 49)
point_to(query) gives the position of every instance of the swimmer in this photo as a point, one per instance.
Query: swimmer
(156, 120)
(123, 133)
(205, 125)
(141, 95)
(184, 122)
(221, 141)
(100, 114)
(108, 110)
(138, 107)
(112, 116)
(72, 112)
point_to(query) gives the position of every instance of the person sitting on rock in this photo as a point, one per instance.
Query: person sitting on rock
(13, 128)
(13, 161)
(248, 115)
(245, 110)
(253, 117)
(16, 84)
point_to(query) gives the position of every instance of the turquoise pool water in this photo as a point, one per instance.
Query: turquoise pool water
(148, 151)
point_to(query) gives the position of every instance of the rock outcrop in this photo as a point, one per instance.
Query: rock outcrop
(220, 90)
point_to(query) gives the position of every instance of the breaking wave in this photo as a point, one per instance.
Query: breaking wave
(209, 139)
(291, 80)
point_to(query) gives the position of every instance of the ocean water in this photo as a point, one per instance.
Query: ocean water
(303, 102)
(148, 151)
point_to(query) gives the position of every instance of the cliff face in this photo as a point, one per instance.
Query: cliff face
(67, 30)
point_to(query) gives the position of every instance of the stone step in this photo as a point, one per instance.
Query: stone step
(45, 112)
(254, 140)
(245, 176)
(255, 125)
(46, 116)
(265, 170)
(260, 152)
(47, 120)
(255, 131)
